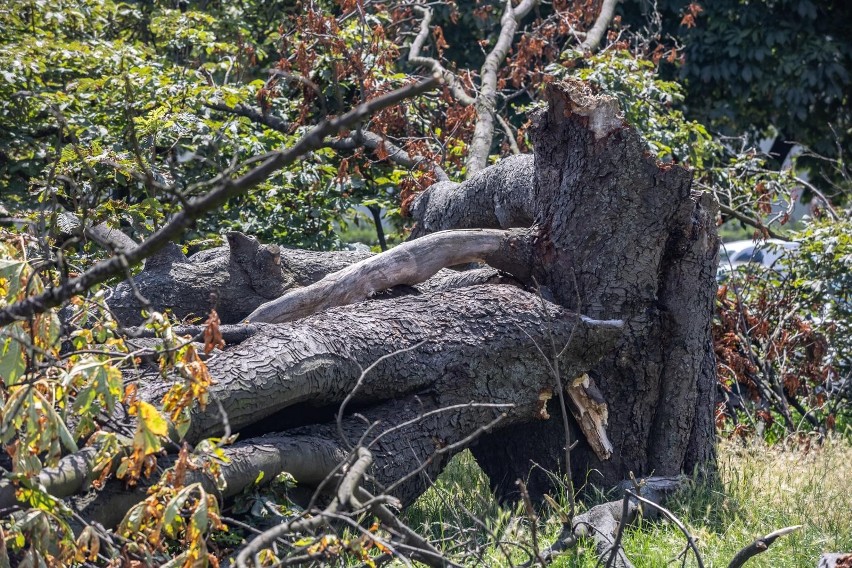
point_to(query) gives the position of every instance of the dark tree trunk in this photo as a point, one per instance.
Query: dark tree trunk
(618, 235)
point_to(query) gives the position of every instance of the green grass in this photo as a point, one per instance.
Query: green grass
(761, 489)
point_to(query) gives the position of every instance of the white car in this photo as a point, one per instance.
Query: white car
(739, 253)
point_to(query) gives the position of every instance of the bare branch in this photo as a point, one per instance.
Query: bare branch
(360, 138)
(671, 516)
(510, 136)
(352, 496)
(415, 58)
(596, 34)
(266, 119)
(826, 203)
(752, 222)
(395, 154)
(483, 132)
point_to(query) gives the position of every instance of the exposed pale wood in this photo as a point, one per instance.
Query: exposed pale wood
(409, 263)
(591, 413)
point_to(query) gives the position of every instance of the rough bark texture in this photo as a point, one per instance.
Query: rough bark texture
(472, 358)
(594, 222)
(479, 343)
(234, 279)
(616, 235)
(238, 278)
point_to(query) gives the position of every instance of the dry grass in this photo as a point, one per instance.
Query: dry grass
(760, 490)
(763, 489)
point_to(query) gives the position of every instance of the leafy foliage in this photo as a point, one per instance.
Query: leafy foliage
(54, 399)
(782, 338)
(121, 112)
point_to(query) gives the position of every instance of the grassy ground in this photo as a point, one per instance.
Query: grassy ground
(762, 489)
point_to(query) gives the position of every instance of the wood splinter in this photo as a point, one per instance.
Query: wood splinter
(590, 410)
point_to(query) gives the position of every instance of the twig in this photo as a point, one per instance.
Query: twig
(510, 136)
(622, 523)
(351, 395)
(373, 141)
(266, 119)
(533, 520)
(752, 222)
(760, 545)
(670, 516)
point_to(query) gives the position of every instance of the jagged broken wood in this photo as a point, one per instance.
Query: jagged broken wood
(591, 413)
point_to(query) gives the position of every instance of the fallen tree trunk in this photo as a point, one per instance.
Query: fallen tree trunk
(478, 343)
(468, 361)
(591, 223)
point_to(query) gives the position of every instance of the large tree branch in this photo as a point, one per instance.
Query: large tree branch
(480, 145)
(410, 263)
(225, 187)
(475, 344)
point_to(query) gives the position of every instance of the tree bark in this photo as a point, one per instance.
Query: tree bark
(596, 226)
(616, 235)
(471, 363)
(479, 343)
(234, 279)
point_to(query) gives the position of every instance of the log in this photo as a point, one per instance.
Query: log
(408, 264)
(478, 362)
(479, 341)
